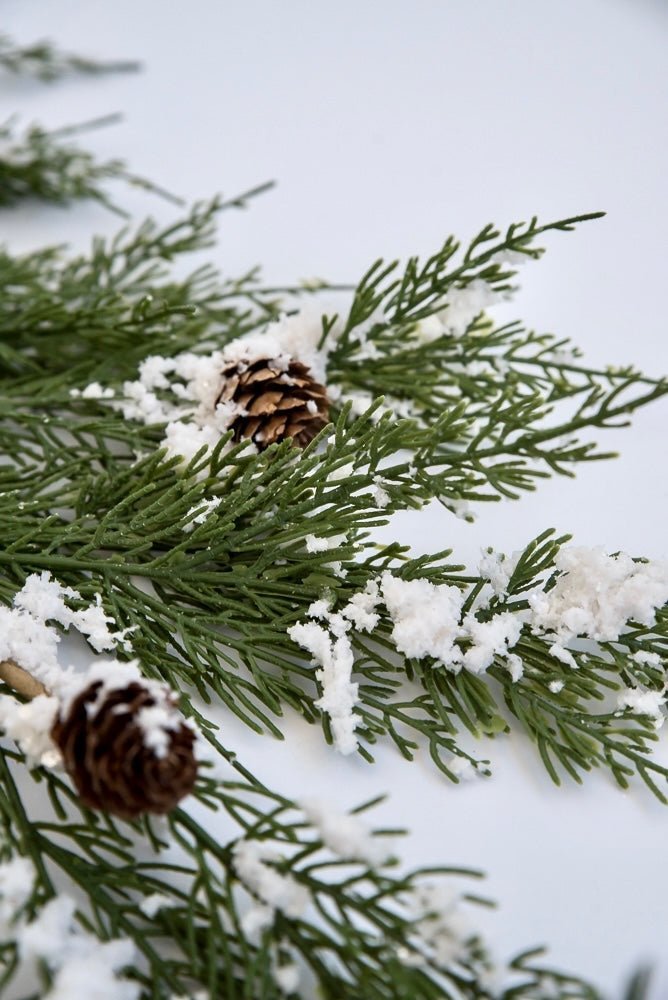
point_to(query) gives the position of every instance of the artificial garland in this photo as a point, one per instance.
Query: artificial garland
(193, 468)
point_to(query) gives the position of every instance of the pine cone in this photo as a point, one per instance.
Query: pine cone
(106, 754)
(278, 403)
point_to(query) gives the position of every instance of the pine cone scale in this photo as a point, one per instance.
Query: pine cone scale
(289, 403)
(263, 375)
(268, 402)
(229, 389)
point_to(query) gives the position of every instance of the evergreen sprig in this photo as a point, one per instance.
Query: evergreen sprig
(517, 399)
(48, 166)
(91, 497)
(357, 936)
(47, 62)
(224, 600)
(419, 290)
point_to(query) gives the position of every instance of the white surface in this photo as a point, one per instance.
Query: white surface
(388, 126)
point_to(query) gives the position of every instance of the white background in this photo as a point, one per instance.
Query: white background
(389, 125)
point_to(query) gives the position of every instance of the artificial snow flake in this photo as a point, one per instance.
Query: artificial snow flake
(332, 652)
(183, 440)
(157, 723)
(337, 568)
(426, 617)
(361, 335)
(596, 594)
(152, 904)
(490, 638)
(428, 329)
(319, 609)
(256, 919)
(30, 643)
(315, 544)
(360, 401)
(29, 725)
(360, 610)
(17, 878)
(334, 656)
(280, 892)
(559, 652)
(381, 497)
(200, 512)
(101, 967)
(346, 835)
(462, 768)
(497, 569)
(642, 702)
(647, 659)
(562, 357)
(463, 304)
(93, 391)
(342, 472)
(50, 933)
(287, 977)
(77, 958)
(43, 598)
(440, 926)
(110, 676)
(298, 335)
(460, 508)
(515, 665)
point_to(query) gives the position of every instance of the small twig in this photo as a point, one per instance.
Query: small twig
(19, 679)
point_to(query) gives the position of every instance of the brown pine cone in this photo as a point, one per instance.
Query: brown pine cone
(277, 403)
(105, 752)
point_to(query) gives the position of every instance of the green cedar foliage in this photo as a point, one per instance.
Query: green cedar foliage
(90, 496)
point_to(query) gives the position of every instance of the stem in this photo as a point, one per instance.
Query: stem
(20, 680)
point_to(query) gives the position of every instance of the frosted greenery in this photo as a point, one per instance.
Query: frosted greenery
(48, 62)
(91, 497)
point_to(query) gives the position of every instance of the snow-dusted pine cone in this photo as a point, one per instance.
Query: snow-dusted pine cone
(277, 402)
(126, 749)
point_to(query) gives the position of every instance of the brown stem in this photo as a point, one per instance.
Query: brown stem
(19, 679)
